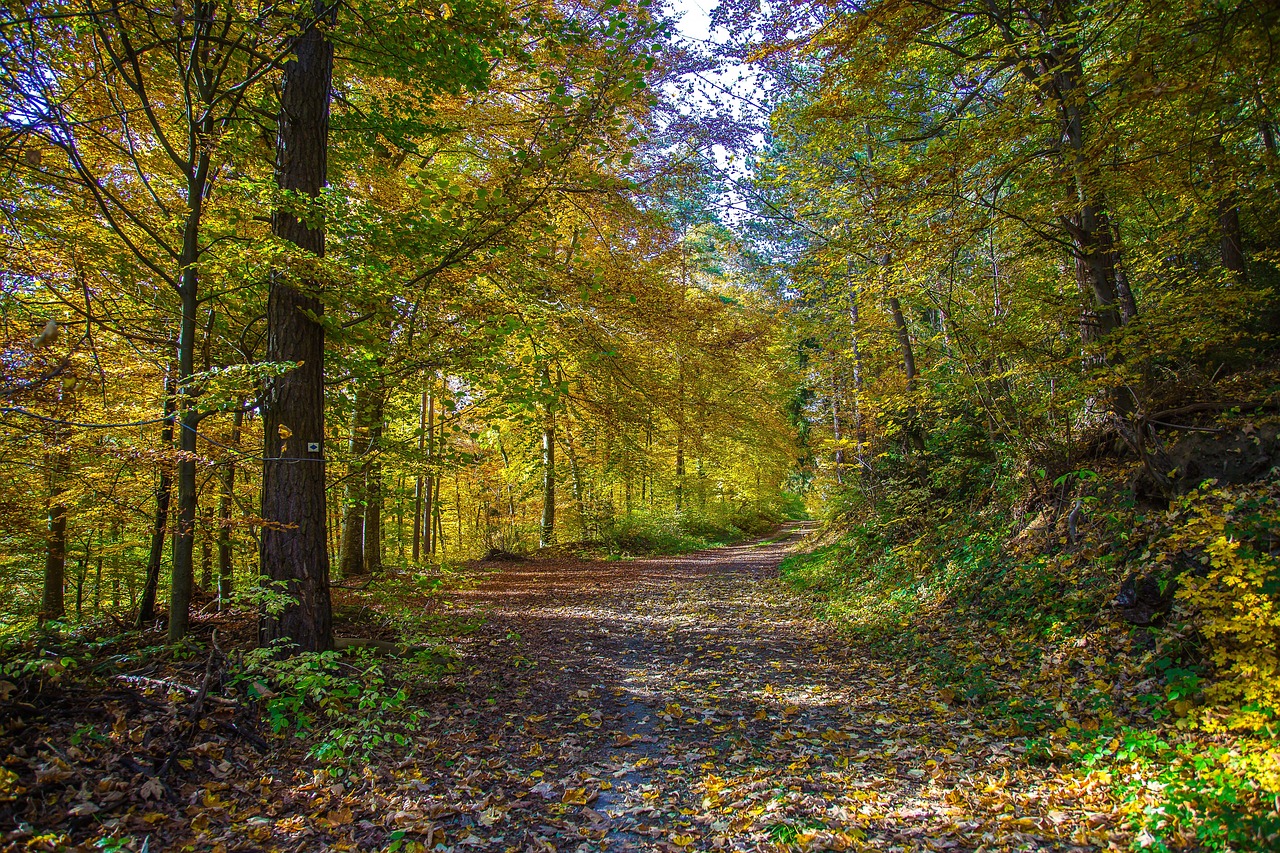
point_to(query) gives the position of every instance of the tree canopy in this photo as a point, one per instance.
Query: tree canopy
(303, 299)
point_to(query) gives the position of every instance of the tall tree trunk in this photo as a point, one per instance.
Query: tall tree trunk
(680, 441)
(355, 493)
(207, 536)
(429, 537)
(437, 538)
(373, 482)
(188, 415)
(838, 456)
(160, 523)
(913, 433)
(457, 504)
(859, 427)
(1090, 227)
(547, 535)
(226, 496)
(1058, 75)
(1128, 302)
(904, 342)
(575, 474)
(293, 546)
(1232, 240)
(418, 481)
(52, 605)
(82, 575)
(399, 491)
(97, 574)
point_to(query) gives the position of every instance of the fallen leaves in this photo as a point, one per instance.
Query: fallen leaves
(683, 707)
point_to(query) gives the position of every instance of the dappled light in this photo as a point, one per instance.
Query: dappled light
(576, 426)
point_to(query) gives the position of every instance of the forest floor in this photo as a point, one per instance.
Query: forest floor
(696, 703)
(674, 703)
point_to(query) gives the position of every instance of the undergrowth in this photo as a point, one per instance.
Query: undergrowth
(678, 531)
(346, 707)
(1017, 618)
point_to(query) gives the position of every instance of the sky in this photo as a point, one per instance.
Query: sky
(695, 21)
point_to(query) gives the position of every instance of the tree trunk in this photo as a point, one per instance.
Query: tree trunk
(1128, 303)
(184, 536)
(1058, 76)
(904, 342)
(226, 568)
(838, 457)
(188, 417)
(1090, 228)
(428, 532)
(52, 605)
(164, 491)
(206, 549)
(914, 435)
(575, 474)
(293, 544)
(419, 481)
(81, 576)
(373, 483)
(1232, 240)
(680, 441)
(399, 491)
(547, 535)
(457, 505)
(351, 547)
(859, 427)
(97, 571)
(437, 538)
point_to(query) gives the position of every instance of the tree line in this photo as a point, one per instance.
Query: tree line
(303, 289)
(1013, 233)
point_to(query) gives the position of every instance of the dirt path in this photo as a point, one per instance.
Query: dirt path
(673, 704)
(689, 703)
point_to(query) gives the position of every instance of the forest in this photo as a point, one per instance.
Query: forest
(639, 425)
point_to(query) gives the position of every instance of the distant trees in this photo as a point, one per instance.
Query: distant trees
(277, 227)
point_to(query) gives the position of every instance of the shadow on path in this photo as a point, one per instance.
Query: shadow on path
(692, 703)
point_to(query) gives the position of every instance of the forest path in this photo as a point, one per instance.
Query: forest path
(692, 703)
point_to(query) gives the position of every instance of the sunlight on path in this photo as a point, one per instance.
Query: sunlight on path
(691, 703)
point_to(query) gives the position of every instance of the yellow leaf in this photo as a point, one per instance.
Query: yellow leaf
(576, 796)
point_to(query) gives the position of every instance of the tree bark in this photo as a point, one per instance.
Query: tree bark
(909, 371)
(859, 426)
(680, 441)
(293, 495)
(1058, 76)
(437, 538)
(226, 496)
(904, 342)
(428, 533)
(547, 535)
(351, 547)
(575, 474)
(52, 605)
(373, 483)
(206, 548)
(1232, 240)
(838, 456)
(188, 417)
(419, 481)
(164, 491)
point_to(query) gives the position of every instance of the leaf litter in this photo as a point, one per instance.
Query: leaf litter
(674, 704)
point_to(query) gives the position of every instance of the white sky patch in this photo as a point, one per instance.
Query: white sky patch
(733, 89)
(695, 18)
